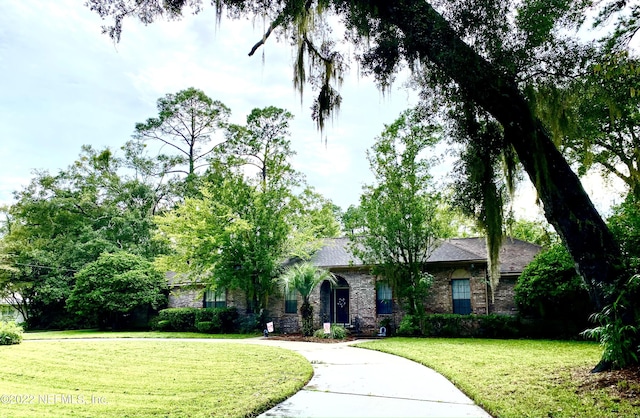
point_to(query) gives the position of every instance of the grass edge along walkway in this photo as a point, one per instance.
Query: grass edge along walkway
(146, 378)
(517, 378)
(93, 333)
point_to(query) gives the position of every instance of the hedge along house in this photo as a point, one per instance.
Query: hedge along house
(363, 302)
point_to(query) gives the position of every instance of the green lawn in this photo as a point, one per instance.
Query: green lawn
(131, 378)
(91, 333)
(517, 378)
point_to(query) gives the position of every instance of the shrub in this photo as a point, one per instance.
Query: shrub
(337, 333)
(210, 317)
(207, 327)
(453, 325)
(161, 325)
(498, 326)
(116, 286)
(616, 330)
(228, 318)
(180, 319)
(550, 288)
(409, 326)
(448, 325)
(10, 333)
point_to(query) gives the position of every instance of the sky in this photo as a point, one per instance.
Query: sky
(64, 84)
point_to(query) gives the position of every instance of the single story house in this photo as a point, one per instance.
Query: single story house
(359, 299)
(8, 313)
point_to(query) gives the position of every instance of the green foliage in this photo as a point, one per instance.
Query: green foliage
(618, 329)
(116, 285)
(160, 324)
(313, 218)
(179, 319)
(535, 232)
(228, 318)
(549, 288)
(187, 121)
(400, 213)
(599, 114)
(499, 326)
(624, 224)
(238, 230)
(304, 277)
(337, 333)
(208, 327)
(467, 326)
(10, 333)
(208, 320)
(61, 222)
(410, 326)
(353, 221)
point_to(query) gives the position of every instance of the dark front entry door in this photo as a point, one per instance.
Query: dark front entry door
(342, 306)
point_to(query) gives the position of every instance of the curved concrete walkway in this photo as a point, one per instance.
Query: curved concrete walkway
(355, 382)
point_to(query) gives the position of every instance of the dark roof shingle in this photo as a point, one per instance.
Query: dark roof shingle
(514, 254)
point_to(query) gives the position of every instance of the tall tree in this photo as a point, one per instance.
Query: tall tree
(595, 118)
(400, 211)
(61, 222)
(186, 124)
(237, 234)
(478, 48)
(485, 52)
(262, 143)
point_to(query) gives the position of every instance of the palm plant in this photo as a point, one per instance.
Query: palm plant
(304, 277)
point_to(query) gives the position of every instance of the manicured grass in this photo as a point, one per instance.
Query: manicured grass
(131, 378)
(91, 333)
(517, 378)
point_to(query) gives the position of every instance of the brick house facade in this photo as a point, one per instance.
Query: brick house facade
(363, 301)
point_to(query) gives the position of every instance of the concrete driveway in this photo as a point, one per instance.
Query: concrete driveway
(354, 382)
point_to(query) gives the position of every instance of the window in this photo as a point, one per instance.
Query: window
(461, 296)
(215, 298)
(384, 302)
(291, 301)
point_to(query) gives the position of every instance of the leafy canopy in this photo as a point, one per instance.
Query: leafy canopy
(400, 212)
(117, 284)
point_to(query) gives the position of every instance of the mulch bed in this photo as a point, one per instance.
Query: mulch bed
(621, 384)
(299, 337)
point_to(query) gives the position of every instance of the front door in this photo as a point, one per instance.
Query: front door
(342, 306)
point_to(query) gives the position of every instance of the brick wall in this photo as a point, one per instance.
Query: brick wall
(440, 299)
(504, 302)
(362, 299)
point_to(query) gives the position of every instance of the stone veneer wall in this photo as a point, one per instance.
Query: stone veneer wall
(185, 297)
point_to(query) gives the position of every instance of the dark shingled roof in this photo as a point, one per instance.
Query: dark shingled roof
(335, 253)
(514, 254)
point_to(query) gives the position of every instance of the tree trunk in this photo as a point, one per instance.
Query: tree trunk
(566, 205)
(306, 311)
